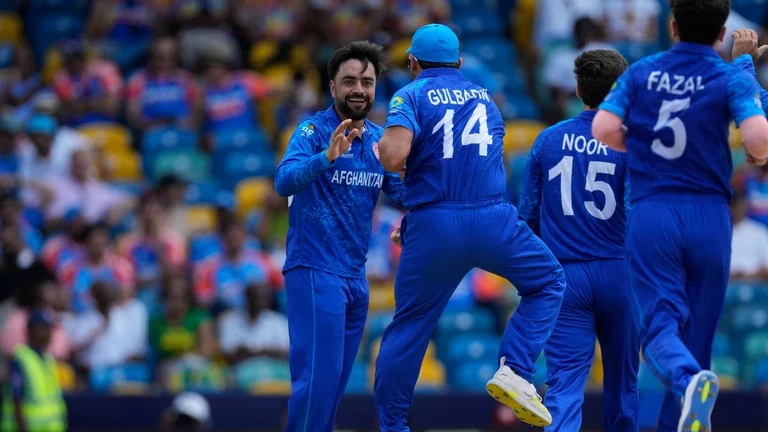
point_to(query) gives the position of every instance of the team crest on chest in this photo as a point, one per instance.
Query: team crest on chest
(376, 150)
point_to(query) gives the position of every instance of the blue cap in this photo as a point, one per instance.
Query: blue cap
(42, 317)
(435, 43)
(42, 124)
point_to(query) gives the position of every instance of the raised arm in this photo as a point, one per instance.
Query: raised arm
(608, 125)
(302, 164)
(400, 130)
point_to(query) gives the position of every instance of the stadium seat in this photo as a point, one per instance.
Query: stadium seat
(41, 7)
(285, 137)
(596, 371)
(232, 167)
(382, 298)
(6, 55)
(260, 369)
(242, 139)
(197, 375)
(358, 379)
(721, 345)
(727, 370)
(109, 137)
(397, 52)
(129, 376)
(521, 134)
(131, 188)
(262, 53)
(122, 166)
(461, 6)
(162, 139)
(472, 347)
(471, 377)
(540, 377)
(753, 10)
(432, 375)
(250, 194)
(478, 22)
(191, 165)
(11, 29)
(202, 193)
(66, 376)
(756, 346)
(201, 219)
(469, 321)
(496, 53)
(377, 323)
(51, 29)
(273, 388)
(646, 381)
(760, 376)
(747, 318)
(521, 106)
(280, 76)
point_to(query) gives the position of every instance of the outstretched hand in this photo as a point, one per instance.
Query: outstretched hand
(745, 42)
(340, 142)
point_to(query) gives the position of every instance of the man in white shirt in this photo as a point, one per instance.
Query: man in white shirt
(254, 331)
(749, 256)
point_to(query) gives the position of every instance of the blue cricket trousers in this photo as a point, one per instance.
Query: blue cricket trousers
(326, 319)
(595, 303)
(679, 255)
(441, 243)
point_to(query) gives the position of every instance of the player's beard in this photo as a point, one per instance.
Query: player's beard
(345, 108)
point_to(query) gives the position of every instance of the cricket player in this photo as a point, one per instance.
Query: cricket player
(745, 42)
(573, 196)
(448, 134)
(332, 177)
(677, 106)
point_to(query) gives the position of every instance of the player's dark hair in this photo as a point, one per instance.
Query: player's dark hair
(700, 21)
(366, 52)
(596, 71)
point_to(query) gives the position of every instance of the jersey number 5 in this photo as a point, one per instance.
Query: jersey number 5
(680, 136)
(564, 169)
(482, 138)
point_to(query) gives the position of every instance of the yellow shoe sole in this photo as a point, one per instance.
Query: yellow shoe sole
(514, 401)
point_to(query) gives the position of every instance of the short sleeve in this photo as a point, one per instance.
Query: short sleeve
(743, 97)
(402, 111)
(621, 95)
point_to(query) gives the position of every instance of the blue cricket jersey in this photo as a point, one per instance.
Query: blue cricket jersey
(574, 191)
(745, 63)
(330, 205)
(458, 132)
(677, 107)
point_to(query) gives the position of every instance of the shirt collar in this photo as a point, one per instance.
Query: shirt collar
(695, 48)
(334, 120)
(587, 115)
(428, 73)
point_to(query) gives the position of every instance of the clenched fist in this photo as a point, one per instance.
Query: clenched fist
(340, 142)
(745, 42)
(395, 237)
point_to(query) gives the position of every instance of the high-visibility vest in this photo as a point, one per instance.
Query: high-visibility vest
(43, 406)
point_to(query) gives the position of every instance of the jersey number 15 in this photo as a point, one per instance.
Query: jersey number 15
(564, 169)
(481, 138)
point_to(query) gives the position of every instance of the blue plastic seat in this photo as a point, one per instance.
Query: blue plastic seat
(52, 29)
(760, 376)
(753, 10)
(358, 379)
(471, 347)
(721, 345)
(190, 165)
(40, 7)
(495, 53)
(460, 6)
(471, 377)
(646, 381)
(161, 139)
(203, 193)
(259, 369)
(377, 323)
(241, 139)
(106, 378)
(469, 321)
(6, 55)
(233, 166)
(472, 23)
(521, 106)
(540, 376)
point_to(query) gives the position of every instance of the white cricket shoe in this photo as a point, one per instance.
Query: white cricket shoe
(513, 391)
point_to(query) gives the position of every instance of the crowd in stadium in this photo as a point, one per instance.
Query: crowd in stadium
(138, 139)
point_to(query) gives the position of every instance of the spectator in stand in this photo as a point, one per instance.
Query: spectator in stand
(749, 259)
(558, 71)
(98, 264)
(383, 254)
(220, 280)
(181, 329)
(9, 158)
(163, 94)
(11, 216)
(18, 264)
(41, 293)
(172, 191)
(126, 27)
(61, 248)
(255, 330)
(153, 248)
(110, 334)
(633, 20)
(230, 96)
(90, 88)
(80, 189)
(21, 86)
(754, 182)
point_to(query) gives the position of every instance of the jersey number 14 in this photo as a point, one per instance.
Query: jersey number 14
(481, 138)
